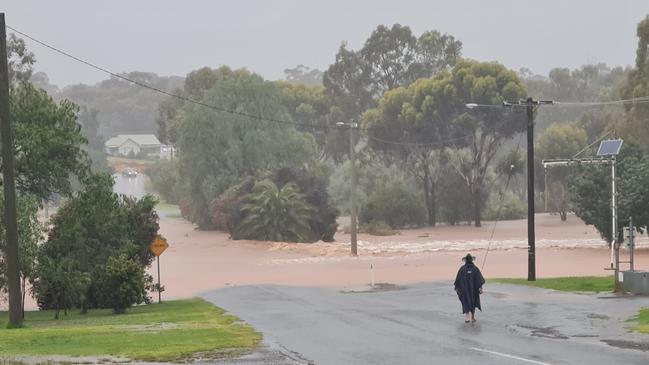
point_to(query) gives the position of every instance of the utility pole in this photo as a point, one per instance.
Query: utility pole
(352, 159)
(530, 107)
(531, 240)
(9, 185)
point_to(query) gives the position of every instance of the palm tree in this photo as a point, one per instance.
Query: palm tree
(275, 214)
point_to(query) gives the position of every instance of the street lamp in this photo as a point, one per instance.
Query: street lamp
(352, 158)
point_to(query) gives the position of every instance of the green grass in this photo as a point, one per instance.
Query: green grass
(169, 331)
(594, 284)
(168, 210)
(642, 321)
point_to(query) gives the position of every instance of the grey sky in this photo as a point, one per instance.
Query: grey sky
(175, 37)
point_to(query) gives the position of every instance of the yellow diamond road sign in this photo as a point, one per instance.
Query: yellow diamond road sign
(159, 245)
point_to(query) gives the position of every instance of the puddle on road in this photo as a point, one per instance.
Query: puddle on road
(629, 345)
(377, 288)
(545, 332)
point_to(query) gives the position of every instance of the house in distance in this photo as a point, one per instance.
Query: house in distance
(135, 145)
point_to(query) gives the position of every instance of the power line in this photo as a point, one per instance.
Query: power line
(306, 125)
(217, 108)
(555, 104)
(437, 143)
(608, 133)
(155, 89)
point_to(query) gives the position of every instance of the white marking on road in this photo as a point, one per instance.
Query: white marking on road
(509, 356)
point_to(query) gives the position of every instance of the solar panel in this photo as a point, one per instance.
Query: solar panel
(609, 147)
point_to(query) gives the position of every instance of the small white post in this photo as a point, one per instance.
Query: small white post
(372, 275)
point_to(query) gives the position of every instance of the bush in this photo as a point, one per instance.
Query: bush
(185, 206)
(165, 180)
(59, 285)
(507, 208)
(313, 185)
(377, 229)
(395, 206)
(122, 283)
(91, 229)
(454, 198)
(275, 214)
(226, 211)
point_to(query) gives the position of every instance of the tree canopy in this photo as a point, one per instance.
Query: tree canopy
(48, 142)
(391, 57)
(218, 149)
(432, 111)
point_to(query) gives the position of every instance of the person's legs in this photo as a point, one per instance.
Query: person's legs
(467, 317)
(473, 315)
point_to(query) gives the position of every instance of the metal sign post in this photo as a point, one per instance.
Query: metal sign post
(607, 148)
(158, 246)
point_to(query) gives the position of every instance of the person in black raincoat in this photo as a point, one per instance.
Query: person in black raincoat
(468, 286)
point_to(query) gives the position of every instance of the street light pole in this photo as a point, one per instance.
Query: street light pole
(352, 159)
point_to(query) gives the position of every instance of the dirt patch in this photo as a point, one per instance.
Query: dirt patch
(164, 326)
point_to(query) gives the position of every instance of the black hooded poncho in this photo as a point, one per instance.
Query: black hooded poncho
(468, 282)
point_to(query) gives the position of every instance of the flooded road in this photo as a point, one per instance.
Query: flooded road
(131, 186)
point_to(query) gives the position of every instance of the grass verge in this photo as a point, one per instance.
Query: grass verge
(170, 331)
(642, 321)
(591, 284)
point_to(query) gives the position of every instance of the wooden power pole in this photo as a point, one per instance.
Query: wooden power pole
(9, 185)
(531, 240)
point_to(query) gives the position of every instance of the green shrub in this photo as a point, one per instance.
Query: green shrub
(226, 212)
(313, 185)
(94, 226)
(377, 229)
(275, 214)
(395, 206)
(59, 284)
(505, 208)
(165, 180)
(122, 283)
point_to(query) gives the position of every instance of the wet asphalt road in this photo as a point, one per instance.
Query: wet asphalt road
(422, 324)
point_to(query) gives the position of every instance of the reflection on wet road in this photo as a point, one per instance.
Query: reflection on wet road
(422, 324)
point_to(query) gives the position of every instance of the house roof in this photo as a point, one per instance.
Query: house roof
(140, 139)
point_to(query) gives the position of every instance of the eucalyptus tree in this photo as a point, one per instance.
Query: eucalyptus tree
(429, 121)
(391, 57)
(218, 149)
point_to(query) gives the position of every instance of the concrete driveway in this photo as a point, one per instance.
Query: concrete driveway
(422, 324)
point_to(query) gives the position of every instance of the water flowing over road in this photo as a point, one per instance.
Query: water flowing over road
(130, 186)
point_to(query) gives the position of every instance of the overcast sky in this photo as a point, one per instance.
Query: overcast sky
(175, 37)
